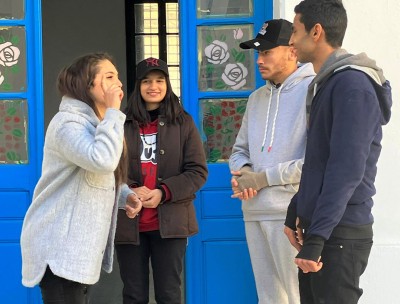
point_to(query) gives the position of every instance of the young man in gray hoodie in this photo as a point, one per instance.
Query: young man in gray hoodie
(267, 159)
(350, 101)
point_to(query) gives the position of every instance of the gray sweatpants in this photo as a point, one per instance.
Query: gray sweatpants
(272, 259)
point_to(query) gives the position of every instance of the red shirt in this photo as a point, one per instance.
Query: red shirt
(148, 134)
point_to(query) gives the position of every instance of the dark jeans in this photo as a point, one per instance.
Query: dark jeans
(166, 260)
(338, 280)
(62, 291)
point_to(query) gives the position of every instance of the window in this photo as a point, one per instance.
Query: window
(152, 30)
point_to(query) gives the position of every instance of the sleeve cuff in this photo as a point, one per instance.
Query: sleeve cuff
(123, 195)
(166, 193)
(291, 215)
(290, 220)
(312, 248)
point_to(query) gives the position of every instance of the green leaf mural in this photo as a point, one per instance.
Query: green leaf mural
(13, 130)
(221, 120)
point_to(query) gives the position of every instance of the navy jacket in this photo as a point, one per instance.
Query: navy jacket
(343, 147)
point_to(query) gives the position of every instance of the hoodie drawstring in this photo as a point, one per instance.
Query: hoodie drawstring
(274, 121)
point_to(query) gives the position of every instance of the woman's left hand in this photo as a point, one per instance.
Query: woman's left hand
(133, 205)
(152, 199)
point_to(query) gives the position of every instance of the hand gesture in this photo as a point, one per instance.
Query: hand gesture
(152, 199)
(237, 192)
(295, 237)
(308, 265)
(113, 93)
(133, 205)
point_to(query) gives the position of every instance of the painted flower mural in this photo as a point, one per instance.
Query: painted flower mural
(221, 123)
(217, 52)
(224, 66)
(237, 33)
(9, 54)
(235, 75)
(13, 135)
(9, 62)
(13, 112)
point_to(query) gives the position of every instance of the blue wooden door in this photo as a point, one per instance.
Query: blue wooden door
(21, 135)
(217, 77)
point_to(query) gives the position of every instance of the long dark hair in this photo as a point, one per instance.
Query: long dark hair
(76, 80)
(170, 107)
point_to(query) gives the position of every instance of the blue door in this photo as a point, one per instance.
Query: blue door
(217, 77)
(21, 135)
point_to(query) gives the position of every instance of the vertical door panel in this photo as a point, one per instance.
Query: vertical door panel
(21, 135)
(217, 78)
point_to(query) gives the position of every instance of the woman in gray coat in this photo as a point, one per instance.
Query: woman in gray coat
(68, 231)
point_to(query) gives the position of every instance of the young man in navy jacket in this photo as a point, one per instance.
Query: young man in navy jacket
(329, 220)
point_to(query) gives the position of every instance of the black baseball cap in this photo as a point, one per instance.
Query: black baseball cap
(273, 33)
(150, 64)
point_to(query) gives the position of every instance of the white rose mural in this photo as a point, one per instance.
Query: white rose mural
(235, 75)
(10, 61)
(224, 66)
(9, 54)
(217, 52)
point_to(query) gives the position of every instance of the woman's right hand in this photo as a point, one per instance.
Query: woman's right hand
(113, 93)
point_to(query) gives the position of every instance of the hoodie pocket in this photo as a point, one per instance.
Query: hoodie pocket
(100, 181)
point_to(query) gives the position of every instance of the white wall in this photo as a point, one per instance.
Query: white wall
(373, 28)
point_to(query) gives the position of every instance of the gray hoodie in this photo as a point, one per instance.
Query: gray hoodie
(341, 59)
(272, 139)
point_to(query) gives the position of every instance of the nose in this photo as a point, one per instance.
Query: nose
(119, 83)
(153, 84)
(259, 60)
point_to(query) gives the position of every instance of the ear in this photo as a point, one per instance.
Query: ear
(291, 54)
(317, 32)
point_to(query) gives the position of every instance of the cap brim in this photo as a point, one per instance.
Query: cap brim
(150, 69)
(258, 44)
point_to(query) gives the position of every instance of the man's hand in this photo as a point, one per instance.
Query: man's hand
(295, 237)
(133, 205)
(244, 194)
(253, 180)
(308, 265)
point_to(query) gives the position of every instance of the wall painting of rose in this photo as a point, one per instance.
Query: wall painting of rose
(223, 65)
(12, 59)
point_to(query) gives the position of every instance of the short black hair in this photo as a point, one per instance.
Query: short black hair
(331, 14)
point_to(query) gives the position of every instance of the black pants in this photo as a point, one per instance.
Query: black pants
(166, 260)
(62, 291)
(338, 280)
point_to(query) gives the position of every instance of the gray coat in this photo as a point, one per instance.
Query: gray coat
(70, 224)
